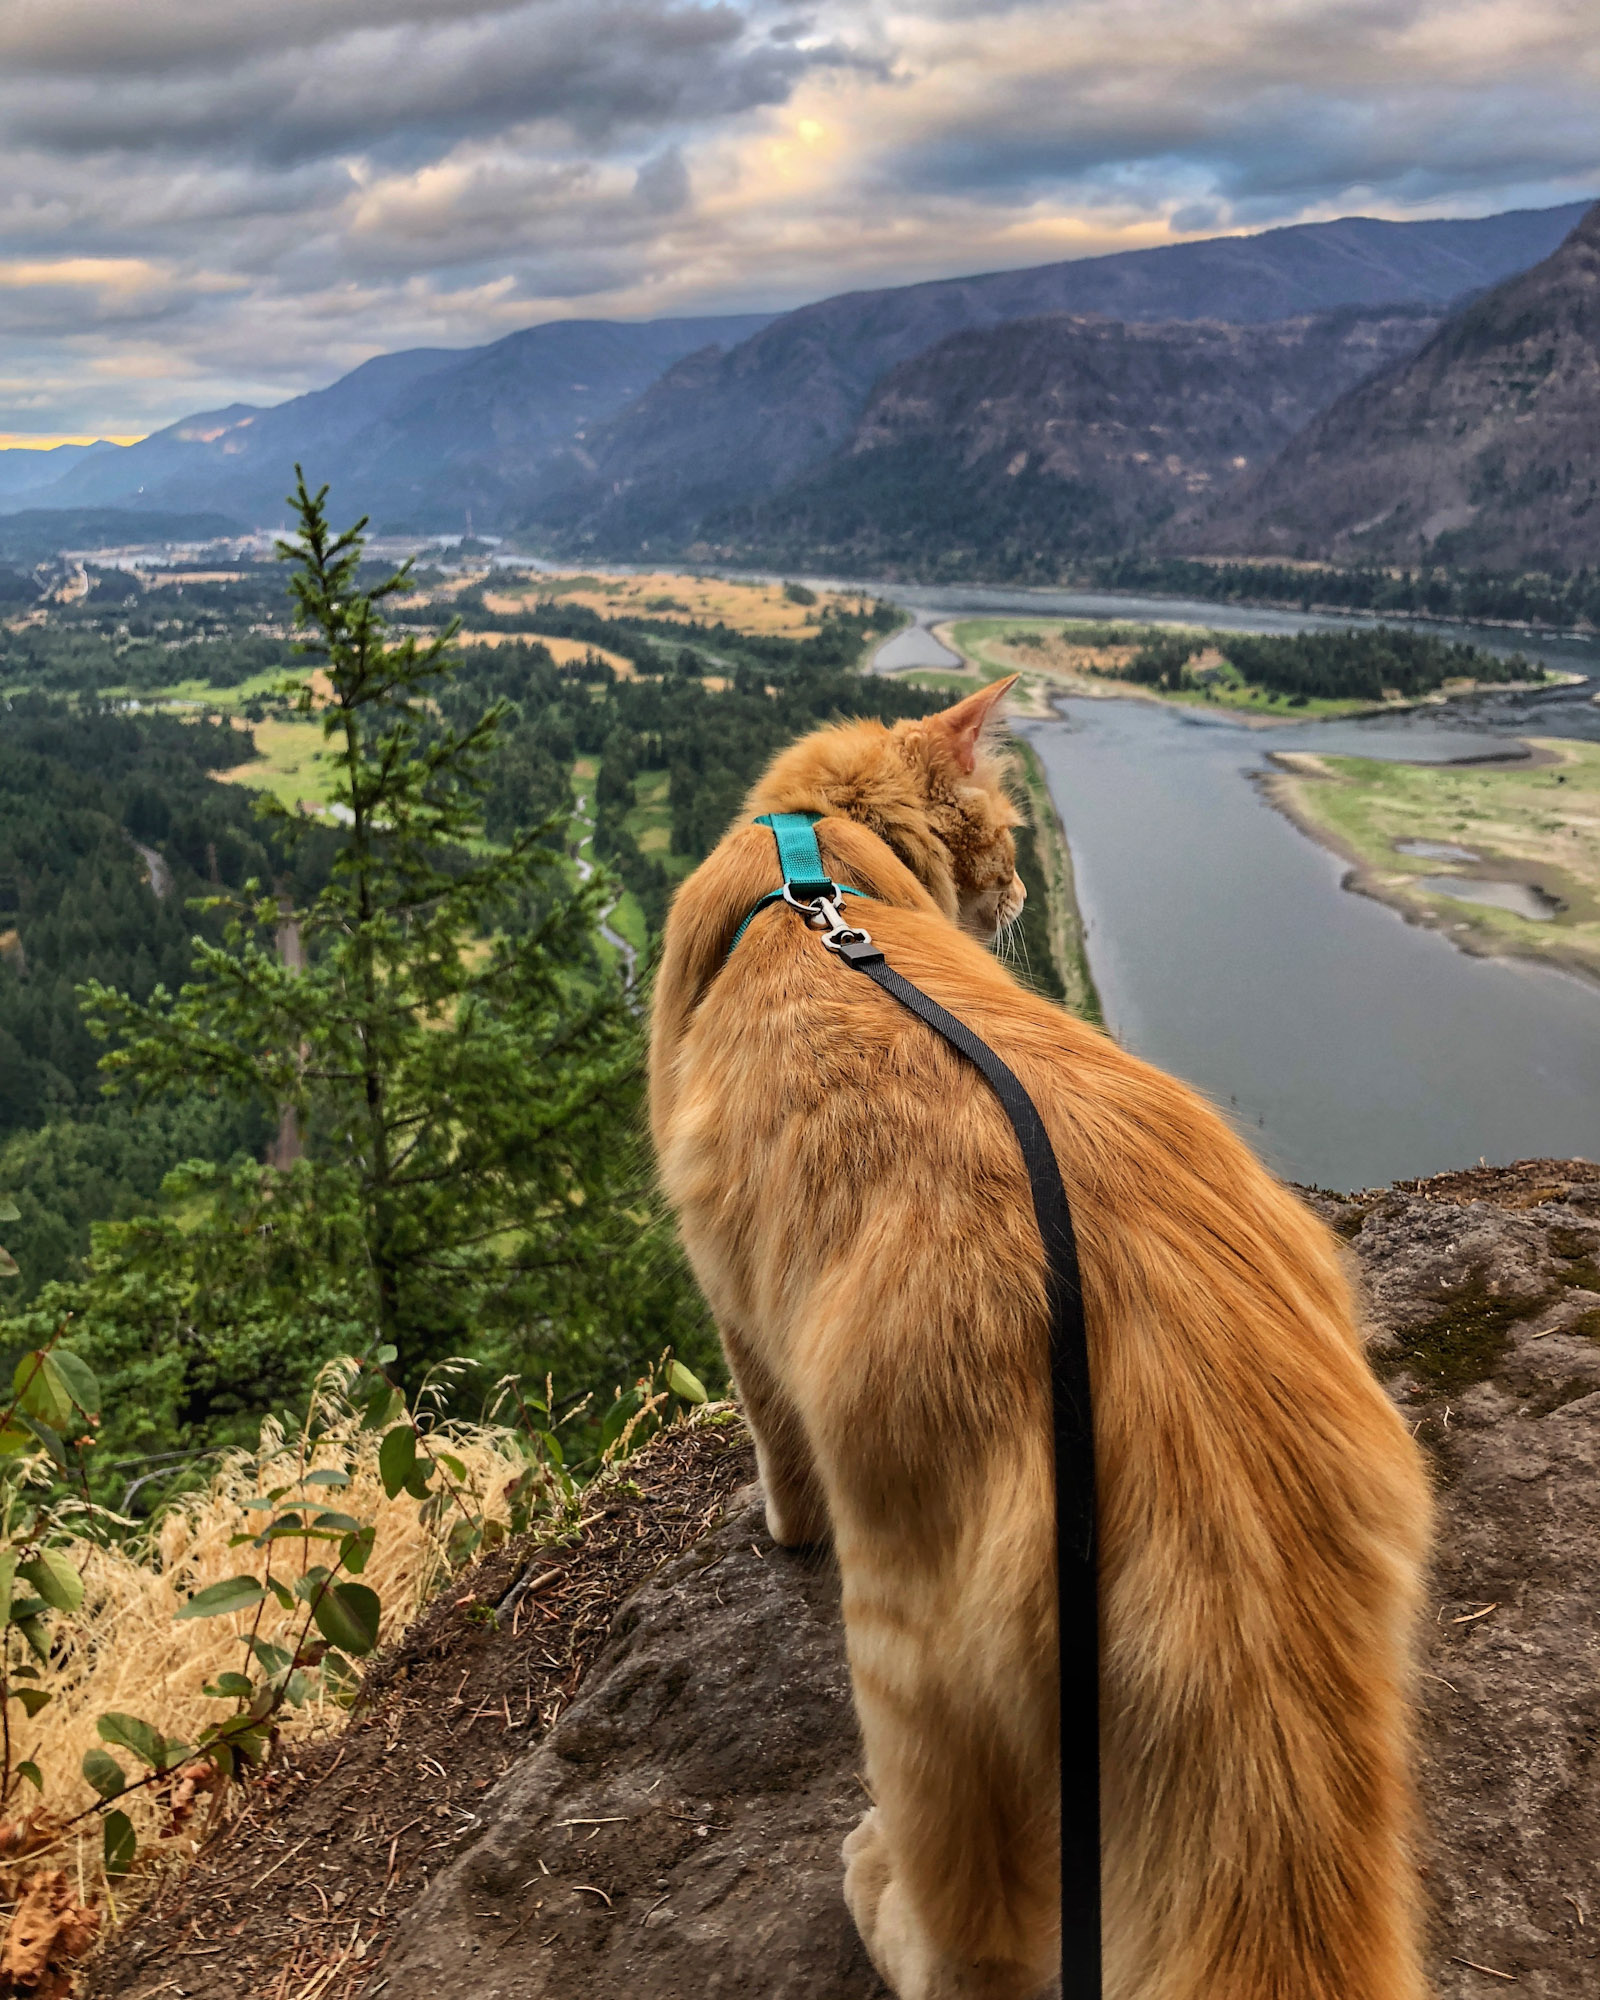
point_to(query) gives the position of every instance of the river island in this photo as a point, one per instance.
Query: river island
(1503, 854)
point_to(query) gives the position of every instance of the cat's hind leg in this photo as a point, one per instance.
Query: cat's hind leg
(797, 1511)
(911, 1961)
(952, 1878)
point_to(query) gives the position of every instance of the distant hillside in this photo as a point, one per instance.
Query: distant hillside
(219, 457)
(420, 437)
(1010, 450)
(23, 469)
(1484, 448)
(717, 430)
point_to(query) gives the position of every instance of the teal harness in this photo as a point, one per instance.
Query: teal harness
(804, 878)
(808, 888)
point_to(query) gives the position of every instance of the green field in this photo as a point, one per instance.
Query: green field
(291, 763)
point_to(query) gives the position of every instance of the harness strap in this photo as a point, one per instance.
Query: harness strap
(800, 858)
(1077, 1594)
(1072, 1425)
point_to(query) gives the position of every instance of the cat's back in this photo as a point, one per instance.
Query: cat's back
(786, 1084)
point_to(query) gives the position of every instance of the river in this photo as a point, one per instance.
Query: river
(1352, 1048)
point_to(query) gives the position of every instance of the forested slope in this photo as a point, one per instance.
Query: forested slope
(109, 824)
(1023, 448)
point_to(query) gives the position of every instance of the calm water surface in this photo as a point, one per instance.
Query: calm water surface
(1351, 1047)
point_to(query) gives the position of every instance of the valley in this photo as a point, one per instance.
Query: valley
(1202, 773)
(1024, 425)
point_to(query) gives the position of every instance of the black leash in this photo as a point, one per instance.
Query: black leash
(1071, 1410)
(1077, 1593)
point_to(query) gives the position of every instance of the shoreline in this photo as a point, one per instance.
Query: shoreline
(1533, 628)
(1283, 789)
(1058, 888)
(1063, 916)
(810, 567)
(1286, 789)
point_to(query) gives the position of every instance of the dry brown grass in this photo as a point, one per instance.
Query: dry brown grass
(747, 607)
(124, 1653)
(562, 651)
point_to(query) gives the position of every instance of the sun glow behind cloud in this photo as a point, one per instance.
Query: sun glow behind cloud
(205, 202)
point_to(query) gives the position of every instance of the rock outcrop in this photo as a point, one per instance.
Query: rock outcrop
(676, 1832)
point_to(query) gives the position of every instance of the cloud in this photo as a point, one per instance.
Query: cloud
(391, 78)
(204, 200)
(662, 183)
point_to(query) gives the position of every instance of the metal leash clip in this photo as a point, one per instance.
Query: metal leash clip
(823, 913)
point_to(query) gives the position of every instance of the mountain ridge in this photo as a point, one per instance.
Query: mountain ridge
(721, 431)
(1479, 449)
(240, 459)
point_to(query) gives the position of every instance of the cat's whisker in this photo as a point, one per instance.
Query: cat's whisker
(1019, 951)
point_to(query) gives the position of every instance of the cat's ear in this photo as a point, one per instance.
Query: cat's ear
(961, 726)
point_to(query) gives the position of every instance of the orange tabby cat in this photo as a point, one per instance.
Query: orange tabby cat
(856, 1209)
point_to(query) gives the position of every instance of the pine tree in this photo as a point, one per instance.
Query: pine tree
(448, 1045)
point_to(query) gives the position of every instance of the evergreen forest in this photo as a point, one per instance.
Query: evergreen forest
(287, 1079)
(1343, 665)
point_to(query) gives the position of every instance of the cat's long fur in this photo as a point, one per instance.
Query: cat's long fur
(853, 1201)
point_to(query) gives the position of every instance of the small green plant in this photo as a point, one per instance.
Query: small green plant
(45, 1432)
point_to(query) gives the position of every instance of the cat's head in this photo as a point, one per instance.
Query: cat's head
(931, 789)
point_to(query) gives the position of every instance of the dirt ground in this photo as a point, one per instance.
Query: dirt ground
(298, 1898)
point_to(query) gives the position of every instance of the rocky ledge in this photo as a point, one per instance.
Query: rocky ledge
(666, 1824)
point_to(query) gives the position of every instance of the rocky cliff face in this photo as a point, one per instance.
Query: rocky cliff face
(1484, 448)
(1070, 436)
(648, 1799)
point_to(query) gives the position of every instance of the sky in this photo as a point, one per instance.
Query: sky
(209, 201)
